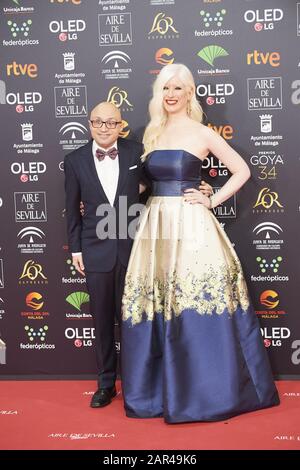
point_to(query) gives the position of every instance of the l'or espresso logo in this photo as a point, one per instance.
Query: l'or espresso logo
(30, 206)
(263, 20)
(67, 30)
(22, 70)
(264, 93)
(115, 29)
(70, 101)
(267, 201)
(215, 94)
(24, 101)
(119, 98)
(163, 27)
(29, 171)
(269, 299)
(267, 163)
(32, 274)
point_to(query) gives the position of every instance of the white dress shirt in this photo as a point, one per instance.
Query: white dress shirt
(108, 174)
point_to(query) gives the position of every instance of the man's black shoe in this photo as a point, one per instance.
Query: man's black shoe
(103, 397)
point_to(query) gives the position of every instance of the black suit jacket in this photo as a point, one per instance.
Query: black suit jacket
(82, 184)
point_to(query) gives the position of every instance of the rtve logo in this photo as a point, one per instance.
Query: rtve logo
(31, 70)
(258, 58)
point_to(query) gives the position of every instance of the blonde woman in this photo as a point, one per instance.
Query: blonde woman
(191, 344)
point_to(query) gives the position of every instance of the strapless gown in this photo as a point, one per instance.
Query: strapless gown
(191, 343)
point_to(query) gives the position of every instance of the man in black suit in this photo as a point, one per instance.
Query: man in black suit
(98, 174)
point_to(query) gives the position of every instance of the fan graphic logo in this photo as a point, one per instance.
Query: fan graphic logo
(119, 98)
(77, 299)
(36, 334)
(114, 65)
(272, 265)
(268, 200)
(32, 274)
(210, 53)
(163, 27)
(2, 352)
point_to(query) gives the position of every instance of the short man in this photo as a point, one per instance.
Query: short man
(99, 173)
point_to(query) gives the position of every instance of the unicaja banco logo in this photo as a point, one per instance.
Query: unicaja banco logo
(210, 53)
(272, 265)
(77, 299)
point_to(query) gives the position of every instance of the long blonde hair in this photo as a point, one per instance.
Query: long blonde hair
(158, 115)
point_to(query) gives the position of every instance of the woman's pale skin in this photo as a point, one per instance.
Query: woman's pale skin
(182, 132)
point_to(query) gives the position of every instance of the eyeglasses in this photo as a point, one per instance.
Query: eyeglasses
(109, 124)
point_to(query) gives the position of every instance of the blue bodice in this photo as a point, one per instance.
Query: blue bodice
(172, 171)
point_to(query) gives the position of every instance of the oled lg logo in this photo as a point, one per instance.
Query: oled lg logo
(273, 336)
(81, 337)
(25, 101)
(263, 20)
(215, 94)
(67, 30)
(29, 171)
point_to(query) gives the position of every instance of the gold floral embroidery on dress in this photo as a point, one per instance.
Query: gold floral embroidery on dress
(214, 292)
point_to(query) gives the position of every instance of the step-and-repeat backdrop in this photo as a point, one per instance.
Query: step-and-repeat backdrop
(61, 57)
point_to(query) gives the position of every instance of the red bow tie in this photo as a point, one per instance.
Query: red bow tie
(112, 153)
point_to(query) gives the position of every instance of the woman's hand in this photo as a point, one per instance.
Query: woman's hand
(206, 188)
(193, 196)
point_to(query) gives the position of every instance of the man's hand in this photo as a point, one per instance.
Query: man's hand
(77, 262)
(206, 189)
(81, 208)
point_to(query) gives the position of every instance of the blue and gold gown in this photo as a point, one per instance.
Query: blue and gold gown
(191, 343)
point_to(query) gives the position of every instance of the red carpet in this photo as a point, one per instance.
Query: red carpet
(56, 415)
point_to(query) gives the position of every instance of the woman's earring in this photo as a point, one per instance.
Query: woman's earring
(188, 108)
